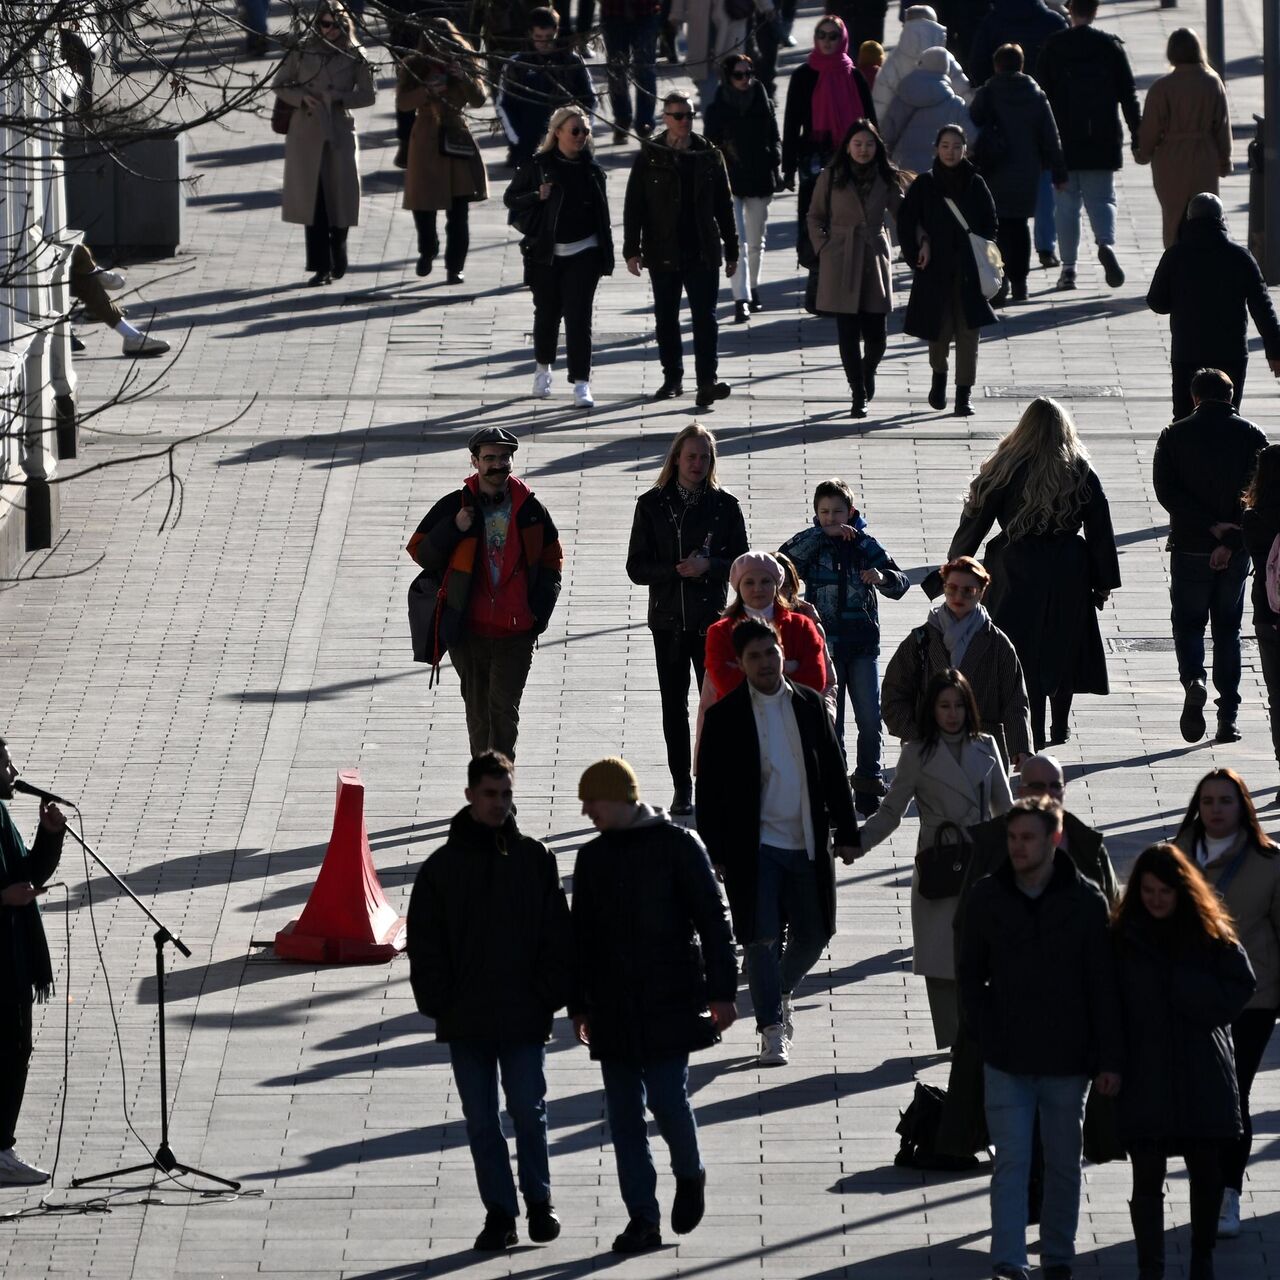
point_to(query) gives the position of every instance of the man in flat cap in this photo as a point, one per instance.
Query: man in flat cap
(493, 558)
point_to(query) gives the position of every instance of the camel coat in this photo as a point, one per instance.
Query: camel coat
(852, 245)
(433, 180)
(965, 791)
(321, 146)
(1186, 138)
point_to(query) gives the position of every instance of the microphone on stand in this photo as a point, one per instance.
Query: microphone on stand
(44, 796)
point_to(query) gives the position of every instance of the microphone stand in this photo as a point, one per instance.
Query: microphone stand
(164, 1160)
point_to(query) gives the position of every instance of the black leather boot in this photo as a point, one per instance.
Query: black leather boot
(1147, 1215)
(938, 389)
(963, 408)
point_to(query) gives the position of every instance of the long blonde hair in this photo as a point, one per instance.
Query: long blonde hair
(1057, 463)
(558, 117)
(671, 466)
(336, 10)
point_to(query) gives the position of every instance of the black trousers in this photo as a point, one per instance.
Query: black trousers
(15, 1055)
(864, 19)
(325, 244)
(1013, 238)
(1269, 656)
(702, 286)
(457, 233)
(1250, 1033)
(1059, 708)
(862, 342)
(765, 37)
(1183, 372)
(565, 290)
(677, 652)
(1202, 1157)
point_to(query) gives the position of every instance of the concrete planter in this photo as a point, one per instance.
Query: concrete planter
(135, 203)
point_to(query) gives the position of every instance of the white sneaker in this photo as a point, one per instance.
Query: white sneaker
(582, 395)
(541, 382)
(111, 280)
(143, 345)
(15, 1172)
(788, 1017)
(775, 1048)
(1229, 1215)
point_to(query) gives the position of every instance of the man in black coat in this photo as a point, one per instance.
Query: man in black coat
(678, 211)
(771, 785)
(686, 533)
(1204, 283)
(492, 561)
(490, 951)
(655, 979)
(1201, 466)
(26, 971)
(1038, 991)
(1089, 82)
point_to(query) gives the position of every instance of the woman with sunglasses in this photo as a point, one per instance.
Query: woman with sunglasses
(445, 170)
(559, 200)
(960, 633)
(947, 304)
(861, 189)
(323, 80)
(825, 96)
(1222, 835)
(741, 122)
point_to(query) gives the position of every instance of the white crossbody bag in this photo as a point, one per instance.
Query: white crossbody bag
(985, 254)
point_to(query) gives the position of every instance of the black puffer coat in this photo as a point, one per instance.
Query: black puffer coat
(925, 212)
(748, 139)
(664, 531)
(1180, 1072)
(489, 939)
(1015, 106)
(653, 944)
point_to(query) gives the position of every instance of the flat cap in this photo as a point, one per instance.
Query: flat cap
(492, 435)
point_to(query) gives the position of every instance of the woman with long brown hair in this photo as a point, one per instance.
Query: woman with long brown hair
(1221, 834)
(1183, 978)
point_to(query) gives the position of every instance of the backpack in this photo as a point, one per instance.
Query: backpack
(918, 1128)
(1273, 575)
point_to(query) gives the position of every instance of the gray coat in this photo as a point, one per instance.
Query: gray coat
(924, 102)
(321, 146)
(965, 791)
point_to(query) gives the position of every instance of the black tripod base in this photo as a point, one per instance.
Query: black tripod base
(165, 1162)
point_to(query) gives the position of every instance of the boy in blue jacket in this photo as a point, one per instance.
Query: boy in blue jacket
(843, 567)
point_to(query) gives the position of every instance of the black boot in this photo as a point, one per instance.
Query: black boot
(963, 408)
(938, 390)
(1206, 1201)
(544, 1225)
(1147, 1215)
(869, 379)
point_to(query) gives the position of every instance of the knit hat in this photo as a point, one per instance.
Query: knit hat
(759, 560)
(609, 779)
(870, 53)
(936, 59)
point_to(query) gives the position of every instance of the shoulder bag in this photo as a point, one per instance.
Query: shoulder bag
(986, 256)
(281, 114)
(941, 868)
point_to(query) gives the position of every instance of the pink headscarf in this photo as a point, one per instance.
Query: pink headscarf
(836, 101)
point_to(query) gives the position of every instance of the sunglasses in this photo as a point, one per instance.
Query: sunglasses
(678, 115)
(327, 24)
(578, 131)
(827, 34)
(741, 75)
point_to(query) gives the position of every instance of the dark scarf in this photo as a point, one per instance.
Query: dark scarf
(739, 100)
(864, 178)
(952, 182)
(26, 930)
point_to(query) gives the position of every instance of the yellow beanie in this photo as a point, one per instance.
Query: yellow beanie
(609, 779)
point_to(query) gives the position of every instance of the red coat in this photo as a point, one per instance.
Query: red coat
(801, 644)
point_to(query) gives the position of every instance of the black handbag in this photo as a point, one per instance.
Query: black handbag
(457, 143)
(424, 599)
(281, 114)
(918, 1128)
(940, 869)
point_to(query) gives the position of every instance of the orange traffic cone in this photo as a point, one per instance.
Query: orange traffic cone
(347, 919)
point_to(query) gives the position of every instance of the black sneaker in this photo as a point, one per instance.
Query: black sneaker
(1191, 723)
(544, 1226)
(620, 134)
(670, 389)
(498, 1235)
(1111, 267)
(690, 1203)
(1067, 280)
(1049, 259)
(756, 304)
(645, 130)
(639, 1237)
(712, 392)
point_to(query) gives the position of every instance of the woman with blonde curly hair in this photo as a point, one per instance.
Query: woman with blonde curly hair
(1047, 581)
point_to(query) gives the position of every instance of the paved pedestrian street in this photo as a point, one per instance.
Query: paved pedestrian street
(198, 684)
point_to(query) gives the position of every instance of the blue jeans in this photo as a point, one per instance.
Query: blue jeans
(1199, 596)
(860, 679)
(632, 49)
(1096, 190)
(786, 894)
(662, 1085)
(1012, 1103)
(1046, 234)
(476, 1064)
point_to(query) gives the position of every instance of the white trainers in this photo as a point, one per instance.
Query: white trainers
(788, 1017)
(1229, 1215)
(775, 1048)
(15, 1172)
(143, 345)
(111, 280)
(541, 382)
(582, 395)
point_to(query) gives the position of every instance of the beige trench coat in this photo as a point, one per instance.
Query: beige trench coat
(321, 145)
(854, 272)
(965, 791)
(1186, 138)
(433, 180)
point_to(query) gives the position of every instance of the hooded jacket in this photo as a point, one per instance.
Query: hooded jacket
(1014, 104)
(917, 35)
(1028, 23)
(923, 103)
(488, 935)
